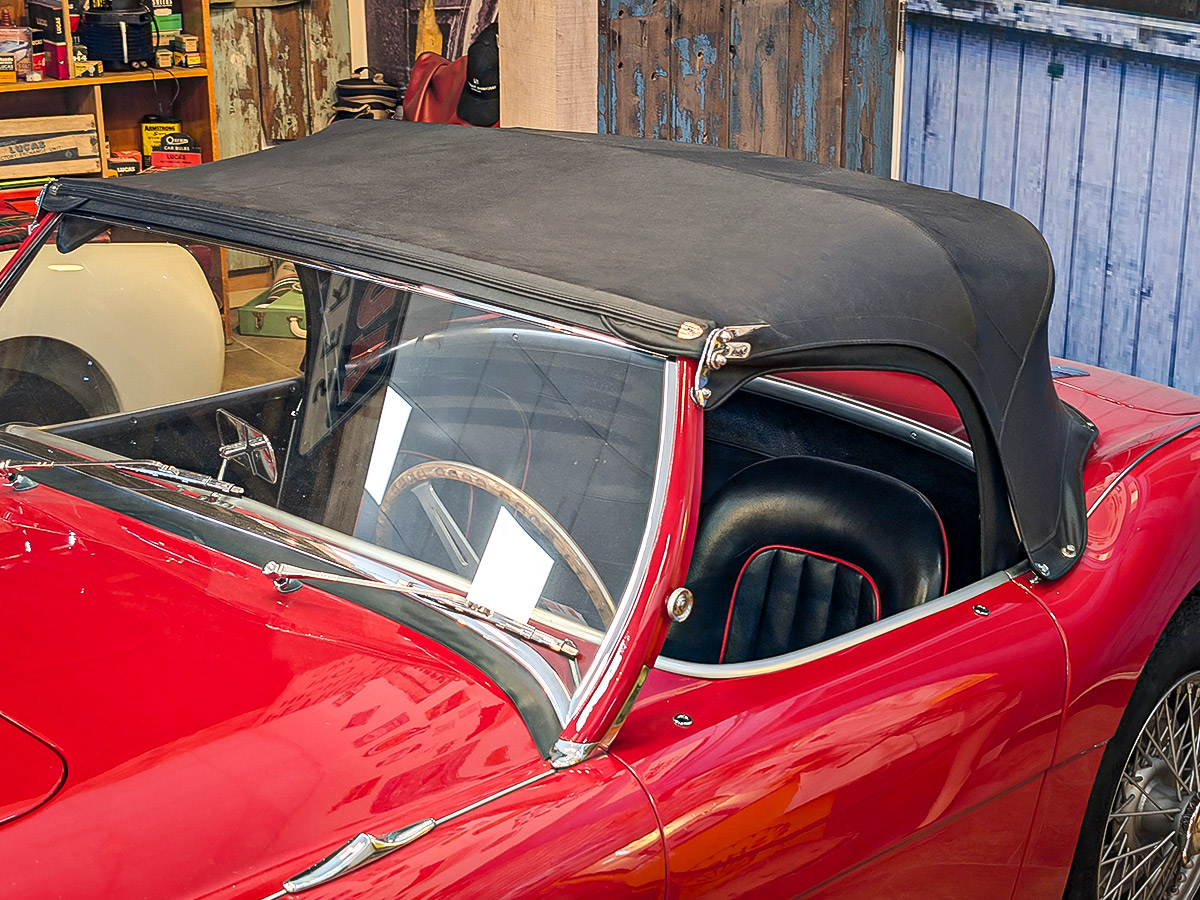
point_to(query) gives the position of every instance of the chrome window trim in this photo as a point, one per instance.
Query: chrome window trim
(714, 671)
(858, 413)
(640, 574)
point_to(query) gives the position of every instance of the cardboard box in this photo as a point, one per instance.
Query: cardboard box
(48, 18)
(58, 64)
(173, 159)
(18, 43)
(48, 145)
(153, 133)
(185, 43)
(168, 22)
(124, 166)
(164, 58)
(8, 68)
(88, 68)
(125, 162)
(189, 60)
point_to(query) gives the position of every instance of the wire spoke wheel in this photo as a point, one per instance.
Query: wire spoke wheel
(1151, 844)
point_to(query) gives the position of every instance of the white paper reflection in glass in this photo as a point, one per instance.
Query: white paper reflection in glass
(393, 419)
(512, 572)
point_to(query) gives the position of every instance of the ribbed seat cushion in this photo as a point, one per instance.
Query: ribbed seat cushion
(796, 550)
(788, 598)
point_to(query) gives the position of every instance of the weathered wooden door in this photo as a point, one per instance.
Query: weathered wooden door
(811, 79)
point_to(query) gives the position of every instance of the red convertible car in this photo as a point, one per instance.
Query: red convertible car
(649, 520)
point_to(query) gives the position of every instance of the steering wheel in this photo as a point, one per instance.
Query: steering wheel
(545, 524)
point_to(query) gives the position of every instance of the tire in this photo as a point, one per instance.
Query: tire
(31, 399)
(1141, 831)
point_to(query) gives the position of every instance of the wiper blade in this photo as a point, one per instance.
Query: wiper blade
(286, 580)
(150, 468)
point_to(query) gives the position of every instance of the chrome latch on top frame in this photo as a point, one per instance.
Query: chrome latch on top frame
(721, 346)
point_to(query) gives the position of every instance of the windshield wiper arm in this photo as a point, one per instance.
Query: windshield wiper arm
(150, 468)
(285, 578)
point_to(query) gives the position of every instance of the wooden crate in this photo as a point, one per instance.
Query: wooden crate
(48, 145)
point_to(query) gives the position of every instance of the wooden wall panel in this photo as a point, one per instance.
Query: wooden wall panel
(1059, 208)
(1033, 131)
(699, 71)
(1129, 207)
(817, 62)
(967, 144)
(1185, 348)
(812, 79)
(871, 29)
(1001, 117)
(637, 59)
(1172, 168)
(235, 79)
(326, 28)
(759, 73)
(281, 73)
(1098, 147)
(275, 69)
(1089, 249)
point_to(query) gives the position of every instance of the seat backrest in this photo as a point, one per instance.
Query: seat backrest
(796, 550)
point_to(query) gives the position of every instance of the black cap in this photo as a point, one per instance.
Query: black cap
(479, 102)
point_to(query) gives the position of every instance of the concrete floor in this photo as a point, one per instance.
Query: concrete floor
(252, 360)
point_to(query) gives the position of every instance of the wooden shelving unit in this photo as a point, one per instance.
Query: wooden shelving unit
(118, 100)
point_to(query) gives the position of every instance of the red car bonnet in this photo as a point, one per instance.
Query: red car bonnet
(186, 694)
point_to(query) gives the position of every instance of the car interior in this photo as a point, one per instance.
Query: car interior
(816, 519)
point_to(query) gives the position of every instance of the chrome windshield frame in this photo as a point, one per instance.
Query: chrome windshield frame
(376, 562)
(636, 585)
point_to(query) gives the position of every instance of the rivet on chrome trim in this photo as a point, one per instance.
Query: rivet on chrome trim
(683, 720)
(980, 610)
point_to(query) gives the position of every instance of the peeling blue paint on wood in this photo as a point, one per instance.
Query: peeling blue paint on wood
(1096, 146)
(768, 75)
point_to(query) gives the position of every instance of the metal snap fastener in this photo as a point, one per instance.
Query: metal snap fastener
(683, 720)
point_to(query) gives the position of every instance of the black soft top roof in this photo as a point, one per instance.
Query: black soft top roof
(638, 237)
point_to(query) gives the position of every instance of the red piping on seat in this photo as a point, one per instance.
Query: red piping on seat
(832, 559)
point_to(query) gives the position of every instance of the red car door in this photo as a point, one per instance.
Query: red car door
(903, 760)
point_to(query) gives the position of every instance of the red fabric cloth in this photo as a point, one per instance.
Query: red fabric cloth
(434, 89)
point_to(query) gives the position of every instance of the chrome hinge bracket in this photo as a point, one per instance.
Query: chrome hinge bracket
(721, 346)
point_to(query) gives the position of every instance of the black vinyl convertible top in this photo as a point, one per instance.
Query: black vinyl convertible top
(647, 240)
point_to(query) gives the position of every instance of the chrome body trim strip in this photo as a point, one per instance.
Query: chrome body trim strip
(1137, 462)
(858, 413)
(637, 579)
(365, 848)
(711, 671)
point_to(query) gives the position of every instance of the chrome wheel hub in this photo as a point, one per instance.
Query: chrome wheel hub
(1151, 844)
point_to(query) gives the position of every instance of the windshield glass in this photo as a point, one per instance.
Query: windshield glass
(429, 437)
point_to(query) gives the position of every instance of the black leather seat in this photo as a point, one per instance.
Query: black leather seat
(797, 550)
